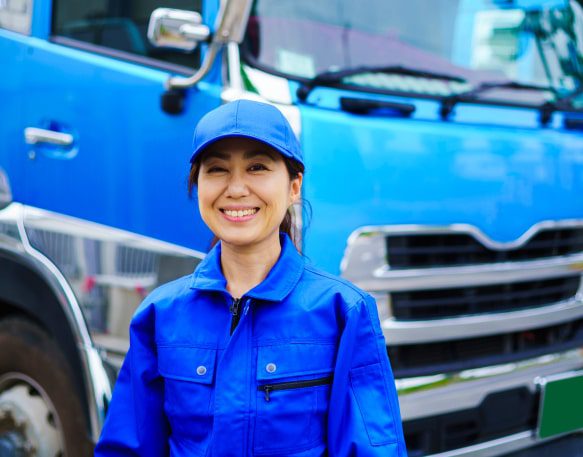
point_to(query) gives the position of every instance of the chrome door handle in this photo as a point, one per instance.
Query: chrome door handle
(33, 135)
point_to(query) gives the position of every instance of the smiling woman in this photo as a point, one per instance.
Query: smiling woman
(257, 352)
(261, 174)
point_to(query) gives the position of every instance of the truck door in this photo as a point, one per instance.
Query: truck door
(100, 146)
(15, 22)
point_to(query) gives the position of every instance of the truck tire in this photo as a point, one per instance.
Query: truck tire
(40, 413)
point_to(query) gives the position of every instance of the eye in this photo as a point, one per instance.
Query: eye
(215, 169)
(258, 167)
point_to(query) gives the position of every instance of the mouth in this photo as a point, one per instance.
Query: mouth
(239, 214)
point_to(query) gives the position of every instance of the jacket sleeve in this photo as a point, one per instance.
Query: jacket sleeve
(364, 418)
(136, 424)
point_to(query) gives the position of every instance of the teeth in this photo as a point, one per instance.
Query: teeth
(240, 213)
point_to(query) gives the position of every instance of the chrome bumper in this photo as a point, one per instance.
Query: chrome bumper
(434, 395)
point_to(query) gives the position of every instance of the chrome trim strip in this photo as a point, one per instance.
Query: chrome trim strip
(43, 219)
(385, 279)
(427, 396)
(412, 332)
(5, 190)
(365, 262)
(403, 229)
(498, 447)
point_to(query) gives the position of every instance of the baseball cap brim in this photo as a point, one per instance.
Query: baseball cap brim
(247, 119)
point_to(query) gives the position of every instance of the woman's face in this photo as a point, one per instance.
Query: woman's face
(244, 191)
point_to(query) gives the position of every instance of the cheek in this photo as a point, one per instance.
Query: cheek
(279, 197)
(206, 197)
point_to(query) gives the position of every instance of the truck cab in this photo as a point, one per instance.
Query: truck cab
(444, 162)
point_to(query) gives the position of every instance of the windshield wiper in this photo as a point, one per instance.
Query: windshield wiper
(448, 103)
(566, 101)
(546, 109)
(331, 78)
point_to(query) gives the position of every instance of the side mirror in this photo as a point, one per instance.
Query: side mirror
(184, 30)
(177, 29)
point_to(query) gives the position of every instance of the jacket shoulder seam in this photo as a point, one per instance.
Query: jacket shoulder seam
(337, 279)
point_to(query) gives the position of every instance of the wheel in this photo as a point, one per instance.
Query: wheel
(40, 413)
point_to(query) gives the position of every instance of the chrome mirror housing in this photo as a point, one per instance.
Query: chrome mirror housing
(177, 29)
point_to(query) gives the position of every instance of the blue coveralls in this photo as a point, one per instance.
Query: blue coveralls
(305, 372)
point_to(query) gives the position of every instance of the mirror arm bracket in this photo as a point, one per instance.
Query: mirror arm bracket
(179, 82)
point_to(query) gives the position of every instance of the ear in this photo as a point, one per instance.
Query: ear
(295, 188)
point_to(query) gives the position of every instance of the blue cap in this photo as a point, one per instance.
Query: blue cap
(248, 119)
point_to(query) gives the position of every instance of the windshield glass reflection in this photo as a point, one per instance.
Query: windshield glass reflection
(527, 41)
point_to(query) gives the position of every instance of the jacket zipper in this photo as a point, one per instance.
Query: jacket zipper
(236, 312)
(267, 388)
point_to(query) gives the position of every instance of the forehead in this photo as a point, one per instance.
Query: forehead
(235, 147)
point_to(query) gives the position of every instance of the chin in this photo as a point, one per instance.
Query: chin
(236, 239)
(242, 239)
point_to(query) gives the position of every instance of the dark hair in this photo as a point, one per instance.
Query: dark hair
(288, 225)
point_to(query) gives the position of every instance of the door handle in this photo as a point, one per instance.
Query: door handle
(33, 135)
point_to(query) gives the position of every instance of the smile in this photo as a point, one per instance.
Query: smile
(239, 214)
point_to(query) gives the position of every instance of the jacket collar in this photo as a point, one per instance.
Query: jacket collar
(280, 281)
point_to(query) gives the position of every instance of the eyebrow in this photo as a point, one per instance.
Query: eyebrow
(255, 153)
(247, 155)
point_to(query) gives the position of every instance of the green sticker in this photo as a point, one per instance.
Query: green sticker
(561, 408)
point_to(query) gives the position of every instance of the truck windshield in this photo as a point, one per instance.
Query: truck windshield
(525, 41)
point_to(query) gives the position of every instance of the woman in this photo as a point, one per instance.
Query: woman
(257, 352)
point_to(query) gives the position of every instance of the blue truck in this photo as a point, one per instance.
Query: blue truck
(443, 143)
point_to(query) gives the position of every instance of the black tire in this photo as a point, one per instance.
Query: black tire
(26, 349)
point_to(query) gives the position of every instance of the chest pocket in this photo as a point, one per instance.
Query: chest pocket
(189, 374)
(293, 389)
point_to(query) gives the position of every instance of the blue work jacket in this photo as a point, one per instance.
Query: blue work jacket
(305, 372)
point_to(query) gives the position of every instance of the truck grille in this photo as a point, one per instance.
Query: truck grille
(441, 303)
(556, 280)
(428, 250)
(453, 356)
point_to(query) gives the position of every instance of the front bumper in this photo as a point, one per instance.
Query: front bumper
(442, 404)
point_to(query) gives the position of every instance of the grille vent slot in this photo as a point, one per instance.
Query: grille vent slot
(457, 249)
(443, 303)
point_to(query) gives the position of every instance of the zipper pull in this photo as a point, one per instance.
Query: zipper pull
(235, 306)
(266, 390)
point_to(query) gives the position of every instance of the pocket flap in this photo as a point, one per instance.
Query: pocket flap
(187, 363)
(294, 359)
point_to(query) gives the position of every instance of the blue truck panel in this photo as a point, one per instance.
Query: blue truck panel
(116, 149)
(378, 170)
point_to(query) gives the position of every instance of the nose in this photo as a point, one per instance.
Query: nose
(237, 186)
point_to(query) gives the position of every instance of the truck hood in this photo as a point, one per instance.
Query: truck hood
(374, 170)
